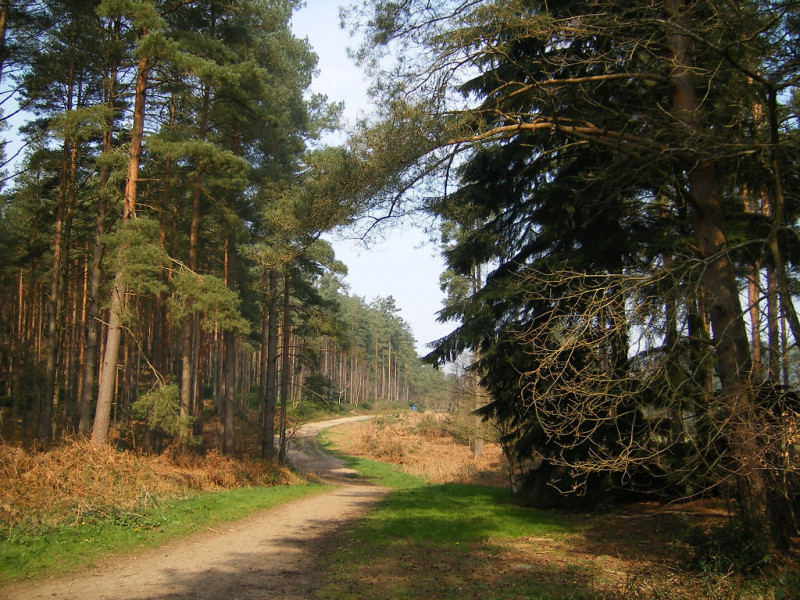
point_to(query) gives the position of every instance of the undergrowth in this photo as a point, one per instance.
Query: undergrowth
(41, 490)
(426, 445)
(70, 505)
(730, 547)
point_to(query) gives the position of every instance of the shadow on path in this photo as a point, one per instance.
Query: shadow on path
(272, 554)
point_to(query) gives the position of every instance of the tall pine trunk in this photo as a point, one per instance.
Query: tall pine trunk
(269, 367)
(286, 377)
(229, 365)
(60, 251)
(189, 333)
(96, 274)
(106, 387)
(719, 281)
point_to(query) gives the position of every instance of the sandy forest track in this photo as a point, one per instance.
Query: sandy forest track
(272, 554)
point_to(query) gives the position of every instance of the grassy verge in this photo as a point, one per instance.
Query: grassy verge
(444, 541)
(449, 541)
(454, 541)
(95, 536)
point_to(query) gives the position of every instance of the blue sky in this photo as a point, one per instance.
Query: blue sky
(403, 264)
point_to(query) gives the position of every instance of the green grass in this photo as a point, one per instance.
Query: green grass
(474, 542)
(458, 514)
(82, 543)
(443, 541)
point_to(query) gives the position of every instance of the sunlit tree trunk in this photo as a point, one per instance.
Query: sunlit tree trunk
(270, 366)
(106, 387)
(753, 299)
(286, 362)
(773, 335)
(4, 7)
(93, 308)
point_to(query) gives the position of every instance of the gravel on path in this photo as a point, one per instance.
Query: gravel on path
(273, 554)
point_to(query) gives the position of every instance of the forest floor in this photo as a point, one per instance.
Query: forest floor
(272, 554)
(634, 552)
(637, 551)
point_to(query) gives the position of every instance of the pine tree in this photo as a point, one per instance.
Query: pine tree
(147, 23)
(601, 147)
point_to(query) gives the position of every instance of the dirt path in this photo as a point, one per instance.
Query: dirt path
(272, 554)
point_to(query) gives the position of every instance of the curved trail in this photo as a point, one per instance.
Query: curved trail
(270, 555)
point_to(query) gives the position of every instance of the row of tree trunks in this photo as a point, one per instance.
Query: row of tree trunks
(355, 381)
(61, 244)
(129, 383)
(71, 348)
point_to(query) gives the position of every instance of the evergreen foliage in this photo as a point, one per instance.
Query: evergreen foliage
(167, 194)
(159, 409)
(619, 170)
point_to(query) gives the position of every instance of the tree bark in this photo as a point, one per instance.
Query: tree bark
(719, 280)
(96, 273)
(188, 329)
(269, 365)
(229, 370)
(105, 393)
(60, 251)
(286, 377)
(54, 305)
(773, 335)
(480, 396)
(5, 5)
(753, 298)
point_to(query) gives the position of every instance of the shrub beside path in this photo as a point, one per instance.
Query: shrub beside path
(271, 554)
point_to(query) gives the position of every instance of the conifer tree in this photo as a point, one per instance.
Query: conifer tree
(61, 87)
(147, 23)
(606, 157)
